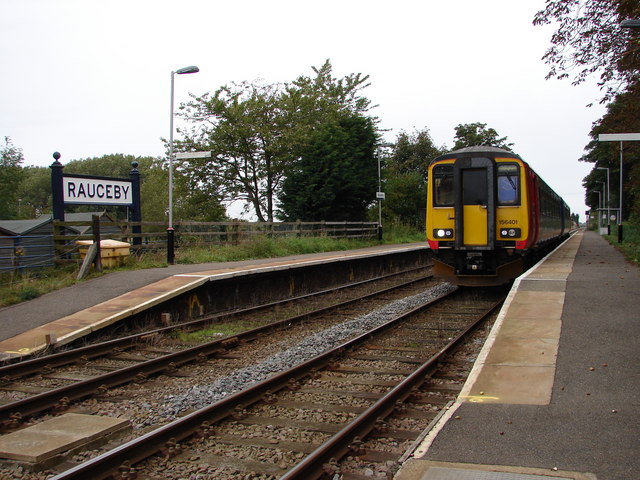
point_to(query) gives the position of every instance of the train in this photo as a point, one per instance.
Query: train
(489, 215)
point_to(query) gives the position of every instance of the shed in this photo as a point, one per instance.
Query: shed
(29, 243)
(26, 243)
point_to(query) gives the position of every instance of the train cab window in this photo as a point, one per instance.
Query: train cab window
(508, 181)
(443, 185)
(474, 186)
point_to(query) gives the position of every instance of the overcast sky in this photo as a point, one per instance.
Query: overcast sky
(89, 78)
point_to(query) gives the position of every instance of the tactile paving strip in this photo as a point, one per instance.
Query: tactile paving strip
(437, 473)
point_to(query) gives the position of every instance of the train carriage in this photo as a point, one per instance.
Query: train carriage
(487, 213)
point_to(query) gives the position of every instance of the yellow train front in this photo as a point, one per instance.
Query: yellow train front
(488, 213)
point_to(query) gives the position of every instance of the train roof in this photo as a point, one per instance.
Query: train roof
(479, 149)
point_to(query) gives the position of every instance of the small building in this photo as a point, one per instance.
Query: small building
(29, 243)
(26, 243)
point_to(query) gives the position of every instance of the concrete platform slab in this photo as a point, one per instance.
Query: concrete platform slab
(504, 384)
(40, 442)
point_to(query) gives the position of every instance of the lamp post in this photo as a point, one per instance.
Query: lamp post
(599, 211)
(180, 71)
(619, 137)
(608, 200)
(604, 199)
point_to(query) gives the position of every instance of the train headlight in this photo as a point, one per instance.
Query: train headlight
(445, 233)
(510, 232)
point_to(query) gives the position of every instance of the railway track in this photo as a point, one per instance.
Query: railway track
(56, 381)
(366, 401)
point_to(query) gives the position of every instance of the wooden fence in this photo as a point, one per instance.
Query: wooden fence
(154, 235)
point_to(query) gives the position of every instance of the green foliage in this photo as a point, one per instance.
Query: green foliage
(336, 175)
(406, 197)
(35, 192)
(405, 178)
(589, 40)
(264, 247)
(256, 132)
(402, 233)
(217, 330)
(623, 115)
(472, 134)
(413, 153)
(11, 174)
(630, 246)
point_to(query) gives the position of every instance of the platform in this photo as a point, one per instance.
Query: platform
(554, 392)
(70, 313)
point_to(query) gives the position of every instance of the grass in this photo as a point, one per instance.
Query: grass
(16, 287)
(216, 331)
(630, 246)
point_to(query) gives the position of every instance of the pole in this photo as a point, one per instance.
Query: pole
(171, 157)
(379, 202)
(57, 188)
(620, 211)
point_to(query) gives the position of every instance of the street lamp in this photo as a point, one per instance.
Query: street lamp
(170, 239)
(631, 23)
(181, 71)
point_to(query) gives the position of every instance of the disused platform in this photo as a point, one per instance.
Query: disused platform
(185, 292)
(554, 392)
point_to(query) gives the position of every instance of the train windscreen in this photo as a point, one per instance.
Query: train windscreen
(508, 180)
(443, 185)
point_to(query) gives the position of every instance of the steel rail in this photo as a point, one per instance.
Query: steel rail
(13, 371)
(12, 413)
(312, 466)
(198, 422)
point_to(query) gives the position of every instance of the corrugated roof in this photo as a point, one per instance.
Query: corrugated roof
(22, 227)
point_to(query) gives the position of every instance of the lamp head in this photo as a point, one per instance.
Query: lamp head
(191, 69)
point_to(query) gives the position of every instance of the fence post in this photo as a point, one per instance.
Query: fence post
(135, 214)
(236, 233)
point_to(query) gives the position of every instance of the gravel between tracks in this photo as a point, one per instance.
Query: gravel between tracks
(202, 395)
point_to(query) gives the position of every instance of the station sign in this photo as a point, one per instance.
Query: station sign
(84, 190)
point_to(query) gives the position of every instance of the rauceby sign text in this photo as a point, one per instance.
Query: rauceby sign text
(83, 190)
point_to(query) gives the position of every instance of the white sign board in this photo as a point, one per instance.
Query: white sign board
(96, 191)
(619, 137)
(190, 155)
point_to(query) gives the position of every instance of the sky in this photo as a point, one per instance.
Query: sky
(88, 78)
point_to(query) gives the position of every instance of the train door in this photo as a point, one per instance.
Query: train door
(475, 205)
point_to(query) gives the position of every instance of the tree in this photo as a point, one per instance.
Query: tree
(589, 40)
(413, 153)
(336, 175)
(623, 115)
(190, 202)
(405, 182)
(11, 176)
(472, 134)
(244, 128)
(35, 192)
(256, 132)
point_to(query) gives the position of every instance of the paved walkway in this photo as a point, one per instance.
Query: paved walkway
(591, 421)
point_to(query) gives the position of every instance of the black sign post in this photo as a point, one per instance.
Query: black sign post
(56, 188)
(88, 190)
